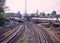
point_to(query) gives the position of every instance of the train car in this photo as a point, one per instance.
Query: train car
(18, 19)
(43, 20)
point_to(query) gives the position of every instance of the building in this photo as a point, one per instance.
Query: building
(9, 14)
(19, 15)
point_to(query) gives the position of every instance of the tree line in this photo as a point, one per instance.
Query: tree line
(42, 14)
(2, 3)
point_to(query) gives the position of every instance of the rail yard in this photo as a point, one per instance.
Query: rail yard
(28, 32)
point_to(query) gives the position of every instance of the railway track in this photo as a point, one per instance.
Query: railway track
(43, 36)
(18, 35)
(5, 31)
(11, 36)
(36, 34)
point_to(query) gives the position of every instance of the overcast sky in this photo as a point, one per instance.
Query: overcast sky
(46, 6)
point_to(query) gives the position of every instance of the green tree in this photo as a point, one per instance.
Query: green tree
(42, 14)
(53, 13)
(1, 19)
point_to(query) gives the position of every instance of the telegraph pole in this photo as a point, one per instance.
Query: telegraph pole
(25, 7)
(37, 12)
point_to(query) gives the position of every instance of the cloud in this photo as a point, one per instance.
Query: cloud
(43, 5)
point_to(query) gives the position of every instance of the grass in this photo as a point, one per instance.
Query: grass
(1, 28)
(7, 32)
(46, 29)
(56, 36)
(22, 40)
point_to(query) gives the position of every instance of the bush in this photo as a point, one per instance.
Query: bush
(1, 19)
